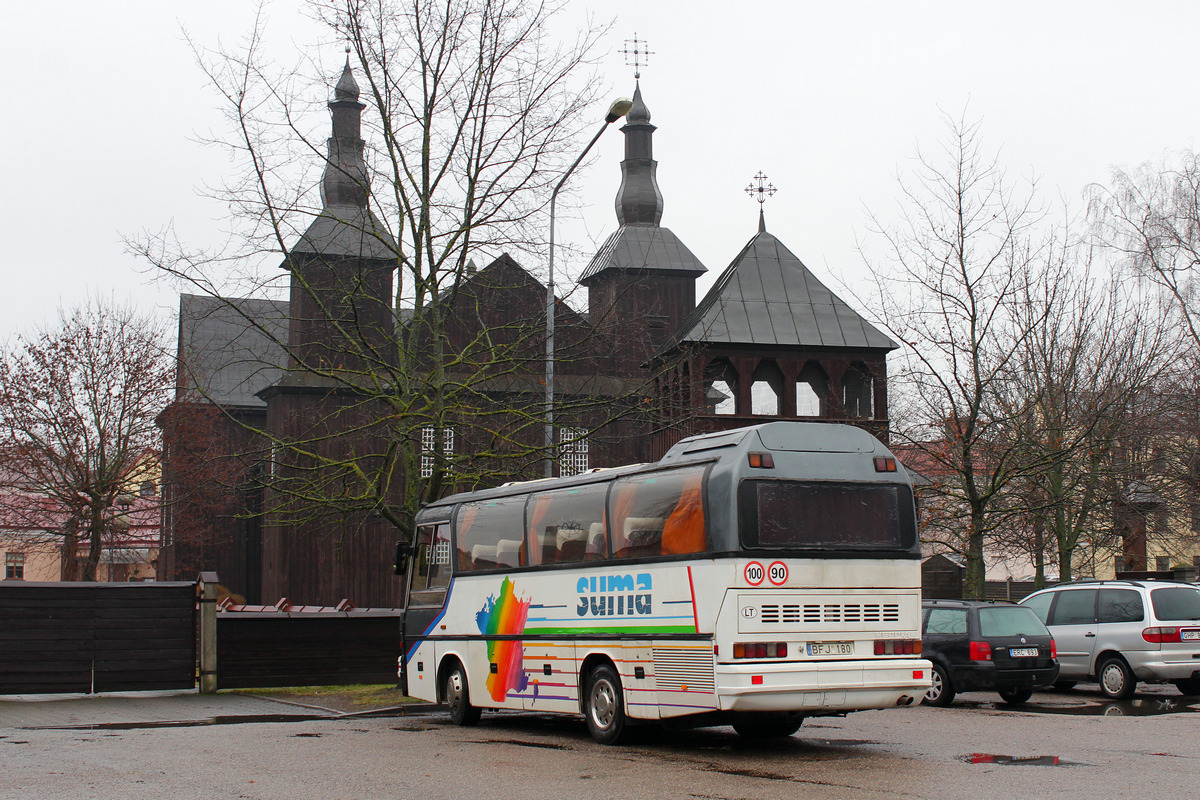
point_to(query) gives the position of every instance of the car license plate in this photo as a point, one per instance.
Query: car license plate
(1024, 652)
(830, 648)
(1189, 636)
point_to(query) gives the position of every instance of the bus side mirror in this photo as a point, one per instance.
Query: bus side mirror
(400, 560)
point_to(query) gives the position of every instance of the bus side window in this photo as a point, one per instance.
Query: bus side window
(683, 532)
(562, 524)
(597, 543)
(490, 534)
(659, 514)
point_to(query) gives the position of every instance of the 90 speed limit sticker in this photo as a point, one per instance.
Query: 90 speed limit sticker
(777, 573)
(754, 573)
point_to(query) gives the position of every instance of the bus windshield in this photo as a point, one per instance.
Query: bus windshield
(802, 515)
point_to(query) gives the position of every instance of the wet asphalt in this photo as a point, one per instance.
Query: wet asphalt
(183, 745)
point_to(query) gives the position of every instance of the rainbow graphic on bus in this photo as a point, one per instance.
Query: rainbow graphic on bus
(504, 615)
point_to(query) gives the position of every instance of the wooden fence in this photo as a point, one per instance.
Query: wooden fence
(96, 637)
(109, 637)
(306, 648)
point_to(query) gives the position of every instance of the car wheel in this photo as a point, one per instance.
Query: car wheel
(767, 726)
(458, 697)
(1188, 686)
(604, 705)
(1014, 697)
(1064, 686)
(941, 692)
(1115, 678)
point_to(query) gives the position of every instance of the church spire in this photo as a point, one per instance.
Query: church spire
(345, 180)
(639, 200)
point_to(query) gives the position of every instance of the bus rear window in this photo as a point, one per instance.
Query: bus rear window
(826, 516)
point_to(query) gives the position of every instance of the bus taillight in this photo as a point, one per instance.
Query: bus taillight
(897, 647)
(885, 464)
(760, 650)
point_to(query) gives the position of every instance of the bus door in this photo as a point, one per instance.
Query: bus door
(429, 576)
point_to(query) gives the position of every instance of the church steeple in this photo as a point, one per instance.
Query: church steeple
(345, 180)
(639, 201)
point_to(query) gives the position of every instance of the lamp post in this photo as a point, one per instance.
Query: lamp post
(618, 109)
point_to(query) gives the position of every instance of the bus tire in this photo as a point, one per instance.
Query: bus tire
(767, 725)
(458, 697)
(604, 705)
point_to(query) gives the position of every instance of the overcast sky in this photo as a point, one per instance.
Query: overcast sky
(830, 100)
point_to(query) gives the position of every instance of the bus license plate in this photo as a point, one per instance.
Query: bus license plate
(1024, 652)
(1191, 635)
(830, 648)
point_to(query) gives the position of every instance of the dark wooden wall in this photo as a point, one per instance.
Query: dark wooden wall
(296, 649)
(102, 637)
(211, 518)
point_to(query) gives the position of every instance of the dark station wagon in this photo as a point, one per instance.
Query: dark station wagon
(985, 646)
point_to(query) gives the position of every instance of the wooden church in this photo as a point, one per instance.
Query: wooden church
(767, 341)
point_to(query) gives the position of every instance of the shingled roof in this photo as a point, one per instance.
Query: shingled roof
(229, 350)
(643, 246)
(768, 297)
(346, 231)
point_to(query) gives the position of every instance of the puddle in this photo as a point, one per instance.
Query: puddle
(520, 743)
(754, 773)
(133, 726)
(1022, 761)
(1122, 708)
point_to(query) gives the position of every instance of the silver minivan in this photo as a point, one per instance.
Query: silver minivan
(1121, 632)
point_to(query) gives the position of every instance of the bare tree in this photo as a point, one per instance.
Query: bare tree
(472, 111)
(1150, 218)
(946, 290)
(77, 405)
(1091, 353)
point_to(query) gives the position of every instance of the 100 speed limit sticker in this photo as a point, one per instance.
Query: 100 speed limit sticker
(755, 573)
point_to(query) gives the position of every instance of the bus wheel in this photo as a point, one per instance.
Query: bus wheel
(605, 706)
(458, 697)
(767, 725)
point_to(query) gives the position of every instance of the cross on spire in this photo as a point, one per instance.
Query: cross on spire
(763, 190)
(636, 55)
(760, 193)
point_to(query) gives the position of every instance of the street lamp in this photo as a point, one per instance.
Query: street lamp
(618, 109)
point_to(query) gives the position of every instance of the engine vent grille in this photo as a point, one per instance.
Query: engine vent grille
(684, 668)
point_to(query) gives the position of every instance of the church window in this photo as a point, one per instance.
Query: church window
(766, 390)
(812, 388)
(807, 402)
(858, 391)
(573, 451)
(720, 388)
(429, 452)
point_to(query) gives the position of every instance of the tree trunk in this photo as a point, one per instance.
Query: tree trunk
(95, 543)
(1039, 552)
(973, 587)
(68, 568)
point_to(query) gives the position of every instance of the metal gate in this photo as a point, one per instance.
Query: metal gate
(96, 637)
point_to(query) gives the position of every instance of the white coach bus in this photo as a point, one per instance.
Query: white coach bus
(752, 577)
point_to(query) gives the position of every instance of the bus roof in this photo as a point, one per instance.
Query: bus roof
(814, 437)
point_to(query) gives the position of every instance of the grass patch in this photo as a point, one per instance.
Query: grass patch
(353, 697)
